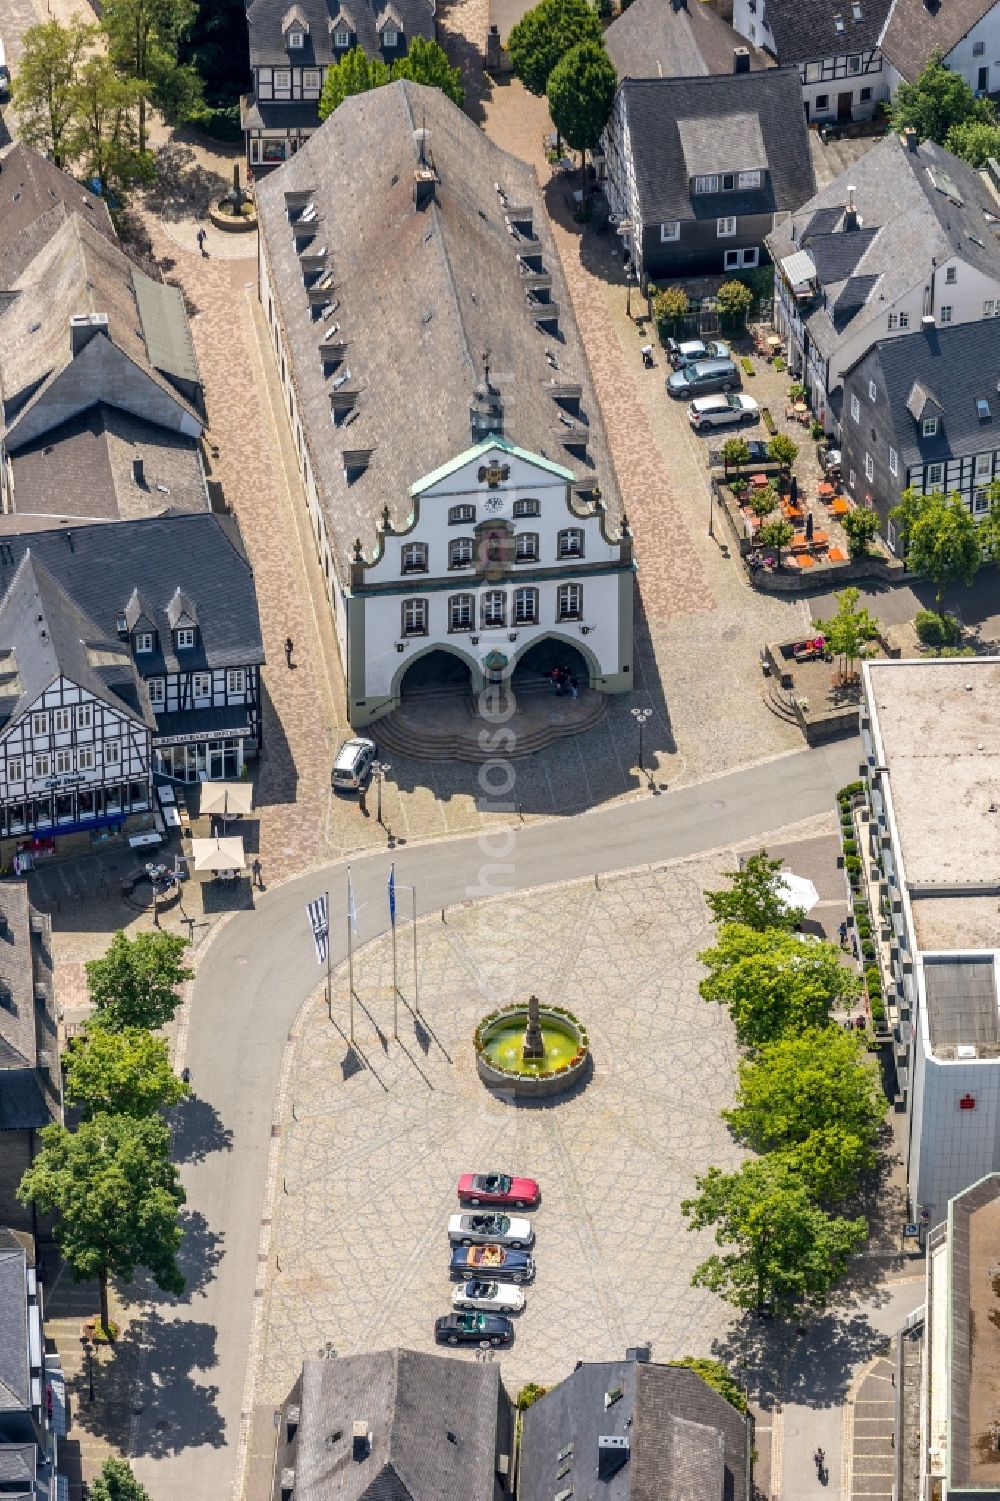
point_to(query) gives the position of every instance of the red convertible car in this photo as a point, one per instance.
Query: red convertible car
(498, 1188)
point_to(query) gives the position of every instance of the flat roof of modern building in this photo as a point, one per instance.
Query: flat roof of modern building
(961, 993)
(936, 730)
(974, 1343)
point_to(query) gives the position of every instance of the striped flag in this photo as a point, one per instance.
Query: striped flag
(392, 895)
(319, 922)
(352, 911)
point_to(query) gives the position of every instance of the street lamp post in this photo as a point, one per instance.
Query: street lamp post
(88, 1350)
(640, 716)
(380, 769)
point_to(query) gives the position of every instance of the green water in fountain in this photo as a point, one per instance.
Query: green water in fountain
(504, 1044)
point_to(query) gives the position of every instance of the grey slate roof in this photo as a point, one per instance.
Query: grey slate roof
(652, 39)
(909, 218)
(35, 198)
(29, 1095)
(15, 1387)
(268, 47)
(806, 30)
(657, 108)
(915, 29)
(951, 368)
(432, 1420)
(686, 1443)
(97, 568)
(420, 297)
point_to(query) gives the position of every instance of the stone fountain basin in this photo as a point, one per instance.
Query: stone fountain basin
(498, 1047)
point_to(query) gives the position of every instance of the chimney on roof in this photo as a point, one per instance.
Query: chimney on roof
(850, 212)
(911, 139)
(83, 327)
(741, 59)
(424, 182)
(361, 1440)
(139, 473)
(612, 1454)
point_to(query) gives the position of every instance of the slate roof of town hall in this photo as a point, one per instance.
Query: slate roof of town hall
(269, 48)
(420, 296)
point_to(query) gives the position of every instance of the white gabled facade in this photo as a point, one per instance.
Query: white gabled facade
(497, 557)
(846, 85)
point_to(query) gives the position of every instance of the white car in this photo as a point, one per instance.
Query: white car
(490, 1230)
(491, 1297)
(723, 410)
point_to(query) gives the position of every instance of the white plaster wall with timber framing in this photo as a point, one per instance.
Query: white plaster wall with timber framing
(70, 745)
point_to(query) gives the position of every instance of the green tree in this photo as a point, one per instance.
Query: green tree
(937, 100)
(861, 525)
(817, 1099)
(735, 453)
(777, 534)
(581, 91)
(777, 1247)
(907, 513)
(116, 1482)
(670, 305)
(943, 543)
(427, 62)
(988, 528)
(143, 40)
(544, 35)
(755, 898)
(126, 1072)
(103, 136)
(772, 982)
(716, 1375)
(116, 1194)
(734, 301)
(848, 632)
(762, 500)
(783, 451)
(43, 91)
(135, 983)
(355, 73)
(974, 141)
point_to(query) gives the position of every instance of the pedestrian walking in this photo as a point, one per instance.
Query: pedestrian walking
(202, 237)
(574, 686)
(185, 1075)
(289, 648)
(256, 871)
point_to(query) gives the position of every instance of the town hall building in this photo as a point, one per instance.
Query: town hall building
(475, 534)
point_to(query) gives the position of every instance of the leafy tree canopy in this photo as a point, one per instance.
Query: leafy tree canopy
(735, 453)
(848, 632)
(755, 897)
(135, 984)
(427, 62)
(143, 41)
(544, 35)
(116, 1194)
(777, 534)
(773, 982)
(104, 134)
(936, 101)
(43, 88)
(126, 1072)
(778, 1249)
(816, 1097)
(355, 73)
(783, 450)
(861, 525)
(974, 141)
(942, 540)
(734, 299)
(116, 1482)
(581, 91)
(716, 1375)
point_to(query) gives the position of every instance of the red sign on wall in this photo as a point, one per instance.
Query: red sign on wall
(967, 1102)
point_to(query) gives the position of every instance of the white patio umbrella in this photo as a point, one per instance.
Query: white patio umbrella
(217, 854)
(227, 798)
(796, 891)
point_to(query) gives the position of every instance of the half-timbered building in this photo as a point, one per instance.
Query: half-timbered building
(832, 43)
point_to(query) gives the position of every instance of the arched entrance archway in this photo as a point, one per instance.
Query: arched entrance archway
(435, 672)
(542, 657)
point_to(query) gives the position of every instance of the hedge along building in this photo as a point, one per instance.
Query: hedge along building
(461, 493)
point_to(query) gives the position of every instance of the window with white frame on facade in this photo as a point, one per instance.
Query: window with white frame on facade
(144, 641)
(311, 79)
(341, 38)
(525, 606)
(748, 179)
(852, 480)
(15, 770)
(570, 543)
(869, 466)
(84, 716)
(892, 321)
(236, 680)
(42, 766)
(85, 758)
(945, 314)
(527, 508)
(865, 96)
(64, 762)
(414, 557)
(156, 688)
(201, 684)
(62, 720)
(494, 607)
(112, 753)
(296, 40)
(390, 37)
(569, 602)
(725, 227)
(671, 231)
(872, 390)
(929, 428)
(460, 612)
(458, 515)
(893, 461)
(40, 724)
(822, 101)
(282, 78)
(706, 184)
(414, 617)
(460, 551)
(854, 64)
(935, 476)
(980, 502)
(526, 547)
(951, 275)
(984, 465)
(978, 48)
(855, 409)
(991, 307)
(813, 71)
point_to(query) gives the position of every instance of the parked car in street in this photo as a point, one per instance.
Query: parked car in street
(704, 376)
(491, 1297)
(499, 1263)
(693, 350)
(723, 411)
(481, 1229)
(497, 1188)
(353, 763)
(473, 1329)
(758, 450)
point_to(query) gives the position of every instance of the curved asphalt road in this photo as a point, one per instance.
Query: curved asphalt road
(255, 976)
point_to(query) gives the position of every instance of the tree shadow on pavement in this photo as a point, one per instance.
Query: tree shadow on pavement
(183, 185)
(198, 1131)
(179, 1412)
(201, 1251)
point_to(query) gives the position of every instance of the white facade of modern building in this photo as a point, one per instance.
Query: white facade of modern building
(931, 735)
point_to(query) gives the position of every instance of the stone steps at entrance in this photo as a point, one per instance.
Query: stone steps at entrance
(446, 726)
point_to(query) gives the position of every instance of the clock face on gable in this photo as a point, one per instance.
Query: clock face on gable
(493, 504)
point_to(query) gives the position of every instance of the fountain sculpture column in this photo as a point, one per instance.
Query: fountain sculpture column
(533, 1046)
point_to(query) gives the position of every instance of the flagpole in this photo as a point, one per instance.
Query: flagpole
(350, 949)
(329, 936)
(395, 985)
(416, 993)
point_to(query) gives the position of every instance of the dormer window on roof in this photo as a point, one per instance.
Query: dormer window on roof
(838, 23)
(295, 27)
(389, 27)
(856, 11)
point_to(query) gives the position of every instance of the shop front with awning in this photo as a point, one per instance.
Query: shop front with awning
(203, 745)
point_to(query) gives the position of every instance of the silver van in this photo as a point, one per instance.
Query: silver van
(703, 377)
(353, 763)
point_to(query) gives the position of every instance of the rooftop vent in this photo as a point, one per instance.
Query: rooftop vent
(965, 1050)
(361, 1439)
(741, 59)
(640, 1353)
(851, 220)
(139, 473)
(612, 1454)
(424, 183)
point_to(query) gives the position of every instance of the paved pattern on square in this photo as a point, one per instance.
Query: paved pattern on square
(371, 1154)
